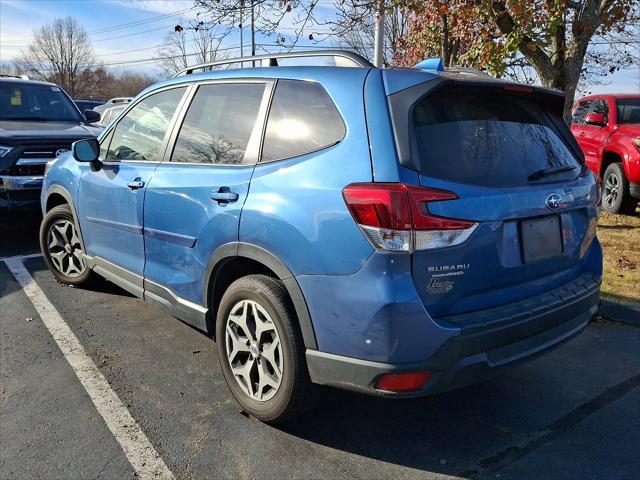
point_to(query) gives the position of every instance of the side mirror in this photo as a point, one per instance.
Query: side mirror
(86, 150)
(92, 116)
(595, 119)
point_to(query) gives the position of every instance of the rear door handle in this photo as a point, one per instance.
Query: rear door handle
(224, 195)
(136, 184)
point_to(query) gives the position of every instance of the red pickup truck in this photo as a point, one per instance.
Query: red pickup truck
(607, 127)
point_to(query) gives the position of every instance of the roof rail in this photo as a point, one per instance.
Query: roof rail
(271, 59)
(21, 77)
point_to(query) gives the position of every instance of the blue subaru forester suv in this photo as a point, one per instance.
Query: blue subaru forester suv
(397, 232)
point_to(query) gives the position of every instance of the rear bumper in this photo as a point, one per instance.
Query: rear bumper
(489, 342)
(20, 191)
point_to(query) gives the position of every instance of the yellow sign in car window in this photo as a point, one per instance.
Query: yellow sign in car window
(17, 97)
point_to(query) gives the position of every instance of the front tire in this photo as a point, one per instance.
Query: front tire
(62, 248)
(261, 351)
(616, 197)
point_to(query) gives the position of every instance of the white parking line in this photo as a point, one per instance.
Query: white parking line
(21, 257)
(144, 459)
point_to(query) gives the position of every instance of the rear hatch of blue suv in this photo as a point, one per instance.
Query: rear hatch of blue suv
(481, 183)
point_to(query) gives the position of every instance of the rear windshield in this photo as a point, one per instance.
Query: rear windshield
(489, 138)
(26, 101)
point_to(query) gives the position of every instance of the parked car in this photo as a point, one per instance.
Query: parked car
(607, 128)
(38, 121)
(87, 103)
(112, 102)
(419, 236)
(110, 114)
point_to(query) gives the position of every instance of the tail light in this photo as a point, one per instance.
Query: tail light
(396, 217)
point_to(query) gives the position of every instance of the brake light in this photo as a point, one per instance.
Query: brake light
(518, 88)
(396, 217)
(403, 382)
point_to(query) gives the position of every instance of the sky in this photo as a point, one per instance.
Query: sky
(119, 45)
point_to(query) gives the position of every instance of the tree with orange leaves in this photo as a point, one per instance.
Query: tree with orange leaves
(559, 39)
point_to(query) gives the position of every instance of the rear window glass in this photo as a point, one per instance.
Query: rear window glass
(302, 119)
(488, 138)
(628, 110)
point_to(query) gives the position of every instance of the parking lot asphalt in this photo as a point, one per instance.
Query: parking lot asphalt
(572, 413)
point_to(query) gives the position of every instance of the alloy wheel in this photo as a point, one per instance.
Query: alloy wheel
(611, 190)
(254, 351)
(65, 251)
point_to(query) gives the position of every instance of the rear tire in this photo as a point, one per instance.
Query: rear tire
(62, 248)
(261, 351)
(616, 197)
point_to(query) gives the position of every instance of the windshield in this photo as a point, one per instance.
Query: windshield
(35, 102)
(489, 138)
(628, 110)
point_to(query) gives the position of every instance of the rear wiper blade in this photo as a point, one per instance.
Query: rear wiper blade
(547, 172)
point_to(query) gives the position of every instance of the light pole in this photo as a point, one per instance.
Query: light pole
(378, 43)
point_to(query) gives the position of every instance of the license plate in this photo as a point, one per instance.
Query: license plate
(541, 238)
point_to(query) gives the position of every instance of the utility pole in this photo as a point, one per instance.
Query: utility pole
(378, 46)
(241, 27)
(253, 31)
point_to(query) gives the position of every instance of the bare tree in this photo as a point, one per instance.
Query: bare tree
(361, 17)
(187, 46)
(302, 16)
(60, 52)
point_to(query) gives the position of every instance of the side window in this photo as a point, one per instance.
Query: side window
(219, 123)
(600, 106)
(580, 112)
(139, 134)
(302, 119)
(104, 146)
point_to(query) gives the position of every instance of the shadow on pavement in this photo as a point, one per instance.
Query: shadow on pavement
(97, 283)
(440, 434)
(19, 232)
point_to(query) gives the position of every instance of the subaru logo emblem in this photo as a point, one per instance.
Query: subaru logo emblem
(60, 151)
(553, 201)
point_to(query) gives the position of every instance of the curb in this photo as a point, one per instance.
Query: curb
(620, 309)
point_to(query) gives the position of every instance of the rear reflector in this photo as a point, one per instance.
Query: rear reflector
(395, 216)
(403, 382)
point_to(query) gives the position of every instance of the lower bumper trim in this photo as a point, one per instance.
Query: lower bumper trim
(361, 375)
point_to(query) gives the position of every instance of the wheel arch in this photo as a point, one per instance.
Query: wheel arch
(611, 156)
(234, 260)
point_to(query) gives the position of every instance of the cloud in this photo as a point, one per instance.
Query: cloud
(161, 6)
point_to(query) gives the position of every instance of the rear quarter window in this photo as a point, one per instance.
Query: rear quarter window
(302, 119)
(487, 138)
(628, 110)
